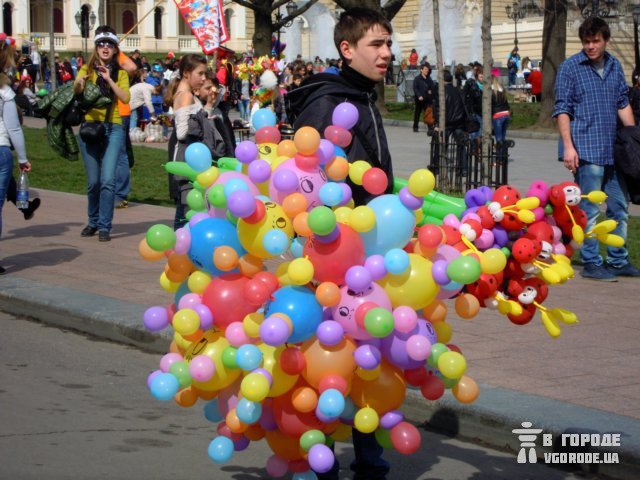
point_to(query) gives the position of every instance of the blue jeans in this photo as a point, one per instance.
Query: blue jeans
(100, 164)
(243, 106)
(478, 134)
(368, 464)
(133, 119)
(598, 177)
(500, 126)
(6, 171)
(123, 173)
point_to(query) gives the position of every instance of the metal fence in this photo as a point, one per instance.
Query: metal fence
(460, 164)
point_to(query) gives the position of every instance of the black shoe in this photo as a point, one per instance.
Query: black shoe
(598, 272)
(627, 270)
(416, 129)
(103, 236)
(31, 209)
(88, 231)
(3, 271)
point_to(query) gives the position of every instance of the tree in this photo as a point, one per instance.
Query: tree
(265, 26)
(487, 60)
(442, 114)
(554, 41)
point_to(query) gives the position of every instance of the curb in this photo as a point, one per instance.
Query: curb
(488, 421)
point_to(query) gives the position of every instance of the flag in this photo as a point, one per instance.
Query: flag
(206, 20)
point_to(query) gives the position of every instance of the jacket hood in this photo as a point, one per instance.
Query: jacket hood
(6, 93)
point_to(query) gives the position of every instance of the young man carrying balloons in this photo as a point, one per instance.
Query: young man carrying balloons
(363, 39)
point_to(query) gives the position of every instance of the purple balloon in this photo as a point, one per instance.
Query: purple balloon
(156, 318)
(325, 151)
(391, 419)
(358, 278)
(394, 346)
(475, 198)
(347, 194)
(500, 235)
(322, 417)
(367, 356)
(151, 376)
(267, 419)
(246, 151)
(285, 180)
(408, 200)
(375, 265)
(206, 317)
(274, 331)
(259, 171)
(439, 272)
(321, 458)
(345, 115)
(330, 333)
(241, 203)
(241, 444)
(332, 237)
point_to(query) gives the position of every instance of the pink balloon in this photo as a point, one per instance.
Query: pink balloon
(277, 466)
(236, 335)
(189, 300)
(309, 183)
(183, 241)
(345, 312)
(405, 319)
(485, 240)
(202, 368)
(418, 347)
(169, 359)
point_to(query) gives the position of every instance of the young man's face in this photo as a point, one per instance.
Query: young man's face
(371, 55)
(594, 47)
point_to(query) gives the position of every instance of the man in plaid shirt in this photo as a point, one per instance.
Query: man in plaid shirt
(591, 94)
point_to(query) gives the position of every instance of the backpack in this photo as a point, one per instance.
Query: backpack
(511, 63)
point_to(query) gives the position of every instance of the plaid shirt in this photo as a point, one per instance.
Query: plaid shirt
(592, 102)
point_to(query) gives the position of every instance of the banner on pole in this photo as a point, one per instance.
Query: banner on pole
(206, 20)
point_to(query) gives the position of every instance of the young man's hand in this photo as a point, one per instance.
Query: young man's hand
(571, 159)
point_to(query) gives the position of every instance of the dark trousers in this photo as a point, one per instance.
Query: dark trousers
(368, 463)
(420, 106)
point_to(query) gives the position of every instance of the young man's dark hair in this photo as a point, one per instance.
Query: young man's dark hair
(592, 26)
(355, 23)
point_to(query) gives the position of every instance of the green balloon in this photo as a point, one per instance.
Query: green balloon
(181, 371)
(311, 438)
(181, 169)
(233, 219)
(464, 270)
(195, 200)
(383, 437)
(322, 220)
(198, 186)
(548, 209)
(229, 163)
(437, 349)
(506, 251)
(449, 382)
(229, 357)
(43, 92)
(216, 196)
(379, 322)
(161, 238)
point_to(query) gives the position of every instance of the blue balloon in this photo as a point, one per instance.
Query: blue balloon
(349, 411)
(164, 386)
(300, 304)
(247, 411)
(331, 403)
(198, 156)
(248, 357)
(396, 261)
(265, 117)
(206, 236)
(308, 475)
(394, 225)
(275, 242)
(183, 289)
(234, 184)
(297, 246)
(211, 411)
(339, 152)
(331, 194)
(220, 449)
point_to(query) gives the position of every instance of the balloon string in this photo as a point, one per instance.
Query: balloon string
(573, 220)
(469, 244)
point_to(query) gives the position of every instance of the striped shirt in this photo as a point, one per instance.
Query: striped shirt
(592, 102)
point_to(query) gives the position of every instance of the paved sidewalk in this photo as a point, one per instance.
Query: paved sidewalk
(586, 379)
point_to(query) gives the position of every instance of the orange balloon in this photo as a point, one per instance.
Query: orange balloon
(323, 360)
(147, 253)
(234, 423)
(204, 394)
(174, 348)
(194, 337)
(385, 393)
(180, 263)
(287, 148)
(301, 226)
(467, 306)
(424, 251)
(443, 331)
(304, 399)
(225, 258)
(249, 265)
(307, 140)
(254, 432)
(435, 312)
(175, 277)
(283, 445)
(294, 203)
(328, 294)
(466, 390)
(337, 169)
(186, 397)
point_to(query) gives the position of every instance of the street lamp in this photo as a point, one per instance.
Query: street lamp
(291, 8)
(85, 23)
(516, 13)
(595, 8)
(635, 11)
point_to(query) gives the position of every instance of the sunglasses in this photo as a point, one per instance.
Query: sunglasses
(105, 45)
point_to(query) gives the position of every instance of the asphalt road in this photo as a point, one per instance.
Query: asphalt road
(75, 407)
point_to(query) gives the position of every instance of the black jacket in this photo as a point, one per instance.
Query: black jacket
(423, 87)
(312, 105)
(499, 103)
(627, 160)
(473, 97)
(454, 108)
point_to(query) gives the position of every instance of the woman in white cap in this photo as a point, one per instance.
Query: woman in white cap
(100, 154)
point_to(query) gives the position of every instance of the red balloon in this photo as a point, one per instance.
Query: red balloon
(454, 348)
(268, 135)
(432, 388)
(416, 377)
(298, 466)
(362, 311)
(375, 181)
(307, 162)
(332, 260)
(295, 423)
(225, 298)
(405, 438)
(333, 381)
(256, 292)
(292, 361)
(226, 432)
(430, 236)
(506, 195)
(338, 136)
(268, 279)
(258, 214)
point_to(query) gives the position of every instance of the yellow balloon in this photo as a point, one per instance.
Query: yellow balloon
(526, 216)
(342, 433)
(419, 215)
(208, 177)
(415, 287)
(251, 324)
(362, 219)
(421, 182)
(181, 342)
(198, 281)
(493, 261)
(186, 321)
(366, 420)
(212, 344)
(282, 272)
(528, 203)
(368, 375)
(282, 382)
(167, 285)
(300, 271)
(251, 235)
(443, 332)
(268, 152)
(255, 387)
(343, 214)
(577, 233)
(452, 364)
(357, 170)
(597, 196)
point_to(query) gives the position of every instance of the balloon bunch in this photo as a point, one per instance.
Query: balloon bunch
(255, 67)
(351, 312)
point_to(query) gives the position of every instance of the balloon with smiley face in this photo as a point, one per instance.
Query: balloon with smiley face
(309, 183)
(252, 235)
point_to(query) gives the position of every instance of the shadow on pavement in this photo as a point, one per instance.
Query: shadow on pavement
(40, 258)
(43, 230)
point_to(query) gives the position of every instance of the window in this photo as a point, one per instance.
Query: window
(157, 23)
(58, 24)
(7, 20)
(127, 21)
(228, 15)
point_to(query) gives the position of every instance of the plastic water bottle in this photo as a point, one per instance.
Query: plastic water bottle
(22, 197)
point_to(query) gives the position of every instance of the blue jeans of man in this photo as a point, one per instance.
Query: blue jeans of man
(500, 127)
(133, 119)
(368, 464)
(100, 164)
(243, 106)
(123, 173)
(6, 171)
(478, 133)
(598, 177)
